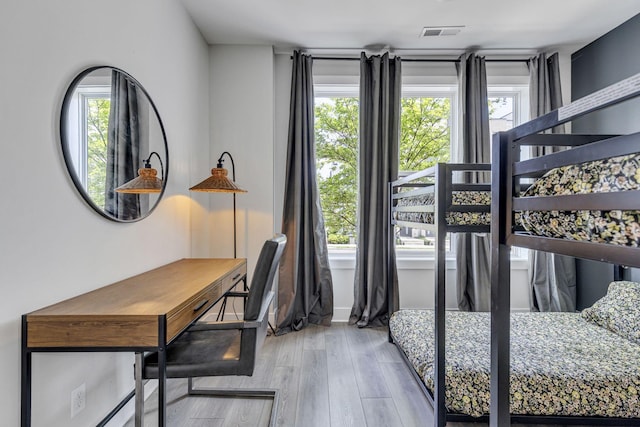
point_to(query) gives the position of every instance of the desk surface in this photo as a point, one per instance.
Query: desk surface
(129, 313)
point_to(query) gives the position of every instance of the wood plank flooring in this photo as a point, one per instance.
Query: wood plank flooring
(327, 377)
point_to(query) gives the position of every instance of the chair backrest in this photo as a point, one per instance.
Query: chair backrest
(263, 275)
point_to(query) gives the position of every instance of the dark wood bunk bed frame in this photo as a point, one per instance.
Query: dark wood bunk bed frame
(507, 171)
(505, 176)
(439, 182)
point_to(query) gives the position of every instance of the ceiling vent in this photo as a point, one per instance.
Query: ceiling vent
(440, 31)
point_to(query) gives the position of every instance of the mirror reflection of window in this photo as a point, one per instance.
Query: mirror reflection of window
(95, 124)
(90, 117)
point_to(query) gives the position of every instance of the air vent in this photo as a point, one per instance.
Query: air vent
(440, 31)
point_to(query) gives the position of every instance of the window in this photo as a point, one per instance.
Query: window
(90, 109)
(425, 139)
(428, 127)
(96, 119)
(336, 133)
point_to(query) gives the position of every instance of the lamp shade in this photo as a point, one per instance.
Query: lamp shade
(146, 182)
(218, 183)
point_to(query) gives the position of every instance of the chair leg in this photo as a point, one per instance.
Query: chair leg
(139, 395)
(223, 307)
(240, 392)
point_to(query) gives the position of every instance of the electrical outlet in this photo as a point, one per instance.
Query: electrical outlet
(78, 399)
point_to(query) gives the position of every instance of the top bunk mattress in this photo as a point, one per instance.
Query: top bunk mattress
(452, 217)
(601, 226)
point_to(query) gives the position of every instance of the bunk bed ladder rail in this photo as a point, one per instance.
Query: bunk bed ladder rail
(442, 173)
(501, 190)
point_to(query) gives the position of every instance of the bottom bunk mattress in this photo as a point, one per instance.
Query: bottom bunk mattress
(561, 364)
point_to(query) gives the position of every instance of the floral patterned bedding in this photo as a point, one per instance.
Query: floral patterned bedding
(610, 175)
(452, 218)
(561, 364)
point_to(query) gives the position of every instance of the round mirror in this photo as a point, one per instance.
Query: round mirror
(114, 144)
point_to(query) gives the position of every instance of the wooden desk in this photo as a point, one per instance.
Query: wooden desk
(142, 313)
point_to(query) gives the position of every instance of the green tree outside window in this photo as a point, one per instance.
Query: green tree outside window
(424, 140)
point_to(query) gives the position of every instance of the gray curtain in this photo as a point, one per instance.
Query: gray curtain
(305, 287)
(473, 252)
(123, 148)
(552, 277)
(380, 92)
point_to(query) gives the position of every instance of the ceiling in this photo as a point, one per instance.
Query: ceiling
(341, 25)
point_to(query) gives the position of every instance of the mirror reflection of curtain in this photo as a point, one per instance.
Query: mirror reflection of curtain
(123, 148)
(552, 277)
(305, 285)
(380, 93)
(473, 252)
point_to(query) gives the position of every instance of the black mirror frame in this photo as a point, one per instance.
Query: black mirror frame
(64, 115)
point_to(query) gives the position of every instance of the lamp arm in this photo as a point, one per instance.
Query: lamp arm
(233, 166)
(147, 163)
(233, 177)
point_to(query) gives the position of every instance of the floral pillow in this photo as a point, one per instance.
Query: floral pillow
(618, 311)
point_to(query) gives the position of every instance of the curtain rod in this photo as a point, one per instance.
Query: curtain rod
(348, 58)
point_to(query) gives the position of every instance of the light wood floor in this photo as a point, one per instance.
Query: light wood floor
(327, 377)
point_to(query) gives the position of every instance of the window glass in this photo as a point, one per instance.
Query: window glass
(88, 128)
(96, 123)
(336, 133)
(428, 130)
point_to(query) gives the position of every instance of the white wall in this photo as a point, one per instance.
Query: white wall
(242, 123)
(53, 246)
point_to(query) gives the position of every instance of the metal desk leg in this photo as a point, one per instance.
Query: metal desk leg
(162, 371)
(25, 401)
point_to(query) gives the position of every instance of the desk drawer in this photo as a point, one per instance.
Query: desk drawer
(200, 303)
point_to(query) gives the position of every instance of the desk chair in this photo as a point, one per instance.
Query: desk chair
(224, 347)
(232, 293)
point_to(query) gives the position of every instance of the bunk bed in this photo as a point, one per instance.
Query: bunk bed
(589, 197)
(562, 203)
(445, 198)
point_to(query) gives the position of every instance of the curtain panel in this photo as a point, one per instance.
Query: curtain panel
(123, 148)
(305, 286)
(473, 251)
(552, 277)
(380, 94)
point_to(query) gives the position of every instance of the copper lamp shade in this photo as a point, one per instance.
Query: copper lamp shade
(218, 182)
(146, 182)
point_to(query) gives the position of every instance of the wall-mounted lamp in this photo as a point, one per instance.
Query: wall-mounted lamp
(146, 181)
(219, 183)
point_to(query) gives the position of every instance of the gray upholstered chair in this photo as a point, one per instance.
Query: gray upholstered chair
(223, 348)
